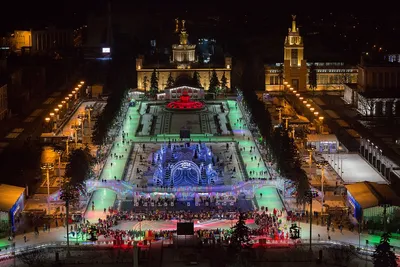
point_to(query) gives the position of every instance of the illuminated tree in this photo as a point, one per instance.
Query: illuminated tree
(196, 80)
(145, 81)
(170, 81)
(383, 255)
(78, 169)
(154, 84)
(224, 82)
(312, 78)
(240, 234)
(214, 82)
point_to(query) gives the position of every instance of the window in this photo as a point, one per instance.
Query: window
(392, 80)
(294, 57)
(386, 82)
(271, 80)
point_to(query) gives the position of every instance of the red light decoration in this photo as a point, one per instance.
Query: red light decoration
(185, 103)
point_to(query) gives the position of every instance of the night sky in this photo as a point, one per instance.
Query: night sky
(350, 23)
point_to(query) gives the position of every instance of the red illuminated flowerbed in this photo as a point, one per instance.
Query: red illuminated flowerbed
(185, 103)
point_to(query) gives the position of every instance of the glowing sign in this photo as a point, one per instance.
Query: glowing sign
(106, 50)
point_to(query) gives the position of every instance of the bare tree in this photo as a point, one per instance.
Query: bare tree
(34, 258)
(366, 105)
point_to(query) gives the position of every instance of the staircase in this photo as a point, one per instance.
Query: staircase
(167, 122)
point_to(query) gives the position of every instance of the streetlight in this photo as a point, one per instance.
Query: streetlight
(47, 120)
(47, 167)
(386, 204)
(310, 195)
(321, 119)
(82, 82)
(322, 166)
(279, 109)
(59, 153)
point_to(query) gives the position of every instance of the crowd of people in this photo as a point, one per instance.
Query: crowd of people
(270, 224)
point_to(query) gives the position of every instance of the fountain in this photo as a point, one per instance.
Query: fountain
(185, 103)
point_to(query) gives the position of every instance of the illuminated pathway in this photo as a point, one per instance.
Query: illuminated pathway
(67, 129)
(114, 167)
(269, 199)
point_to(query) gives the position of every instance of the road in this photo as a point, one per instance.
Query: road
(15, 147)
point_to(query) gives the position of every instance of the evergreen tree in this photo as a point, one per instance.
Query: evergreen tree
(170, 81)
(79, 166)
(214, 82)
(78, 169)
(224, 82)
(240, 234)
(383, 255)
(196, 80)
(154, 84)
(145, 80)
(312, 78)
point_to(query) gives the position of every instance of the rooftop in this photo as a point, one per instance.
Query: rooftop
(370, 195)
(9, 195)
(354, 168)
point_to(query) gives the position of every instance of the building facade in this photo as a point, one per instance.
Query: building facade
(52, 38)
(181, 67)
(295, 69)
(377, 91)
(3, 102)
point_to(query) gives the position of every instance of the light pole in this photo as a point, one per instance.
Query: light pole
(47, 167)
(59, 153)
(279, 109)
(385, 205)
(321, 120)
(309, 196)
(322, 186)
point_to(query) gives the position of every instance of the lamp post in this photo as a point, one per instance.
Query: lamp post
(59, 153)
(385, 205)
(310, 196)
(47, 120)
(279, 109)
(321, 120)
(322, 165)
(47, 167)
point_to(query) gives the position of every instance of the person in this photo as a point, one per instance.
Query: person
(25, 238)
(260, 195)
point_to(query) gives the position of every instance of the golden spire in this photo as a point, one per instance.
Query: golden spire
(183, 25)
(294, 29)
(183, 35)
(176, 25)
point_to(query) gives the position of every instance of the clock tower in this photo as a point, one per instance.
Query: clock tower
(295, 67)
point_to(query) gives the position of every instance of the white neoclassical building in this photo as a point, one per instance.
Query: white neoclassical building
(377, 92)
